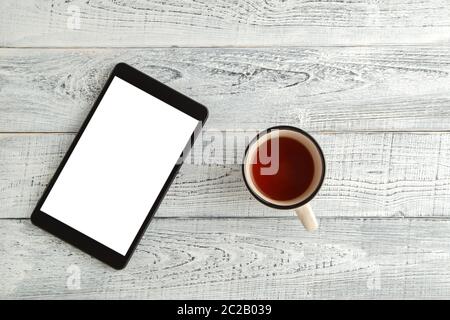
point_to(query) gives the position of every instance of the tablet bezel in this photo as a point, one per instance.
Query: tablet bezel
(80, 240)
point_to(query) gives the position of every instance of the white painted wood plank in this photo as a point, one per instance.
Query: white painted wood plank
(320, 89)
(239, 259)
(222, 23)
(369, 175)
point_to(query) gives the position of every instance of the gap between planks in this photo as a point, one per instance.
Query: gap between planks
(325, 132)
(387, 45)
(328, 218)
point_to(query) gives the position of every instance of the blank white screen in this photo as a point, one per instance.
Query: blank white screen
(119, 165)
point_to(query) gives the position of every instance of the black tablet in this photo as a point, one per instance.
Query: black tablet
(119, 166)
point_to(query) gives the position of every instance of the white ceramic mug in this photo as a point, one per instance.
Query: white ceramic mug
(300, 202)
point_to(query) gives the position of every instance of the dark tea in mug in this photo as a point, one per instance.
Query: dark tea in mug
(294, 173)
(284, 167)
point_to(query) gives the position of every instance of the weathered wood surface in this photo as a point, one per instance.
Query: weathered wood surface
(222, 23)
(319, 89)
(381, 113)
(371, 175)
(239, 258)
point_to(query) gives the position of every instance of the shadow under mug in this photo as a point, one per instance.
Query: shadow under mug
(301, 203)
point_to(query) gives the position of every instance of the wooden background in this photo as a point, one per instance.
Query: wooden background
(369, 79)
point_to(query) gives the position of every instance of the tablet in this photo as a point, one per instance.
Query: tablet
(119, 166)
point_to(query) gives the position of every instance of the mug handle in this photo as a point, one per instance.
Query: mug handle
(307, 217)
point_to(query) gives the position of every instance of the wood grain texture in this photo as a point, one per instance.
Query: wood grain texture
(239, 258)
(321, 89)
(368, 175)
(380, 110)
(222, 23)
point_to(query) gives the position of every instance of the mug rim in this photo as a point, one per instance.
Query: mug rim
(300, 203)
